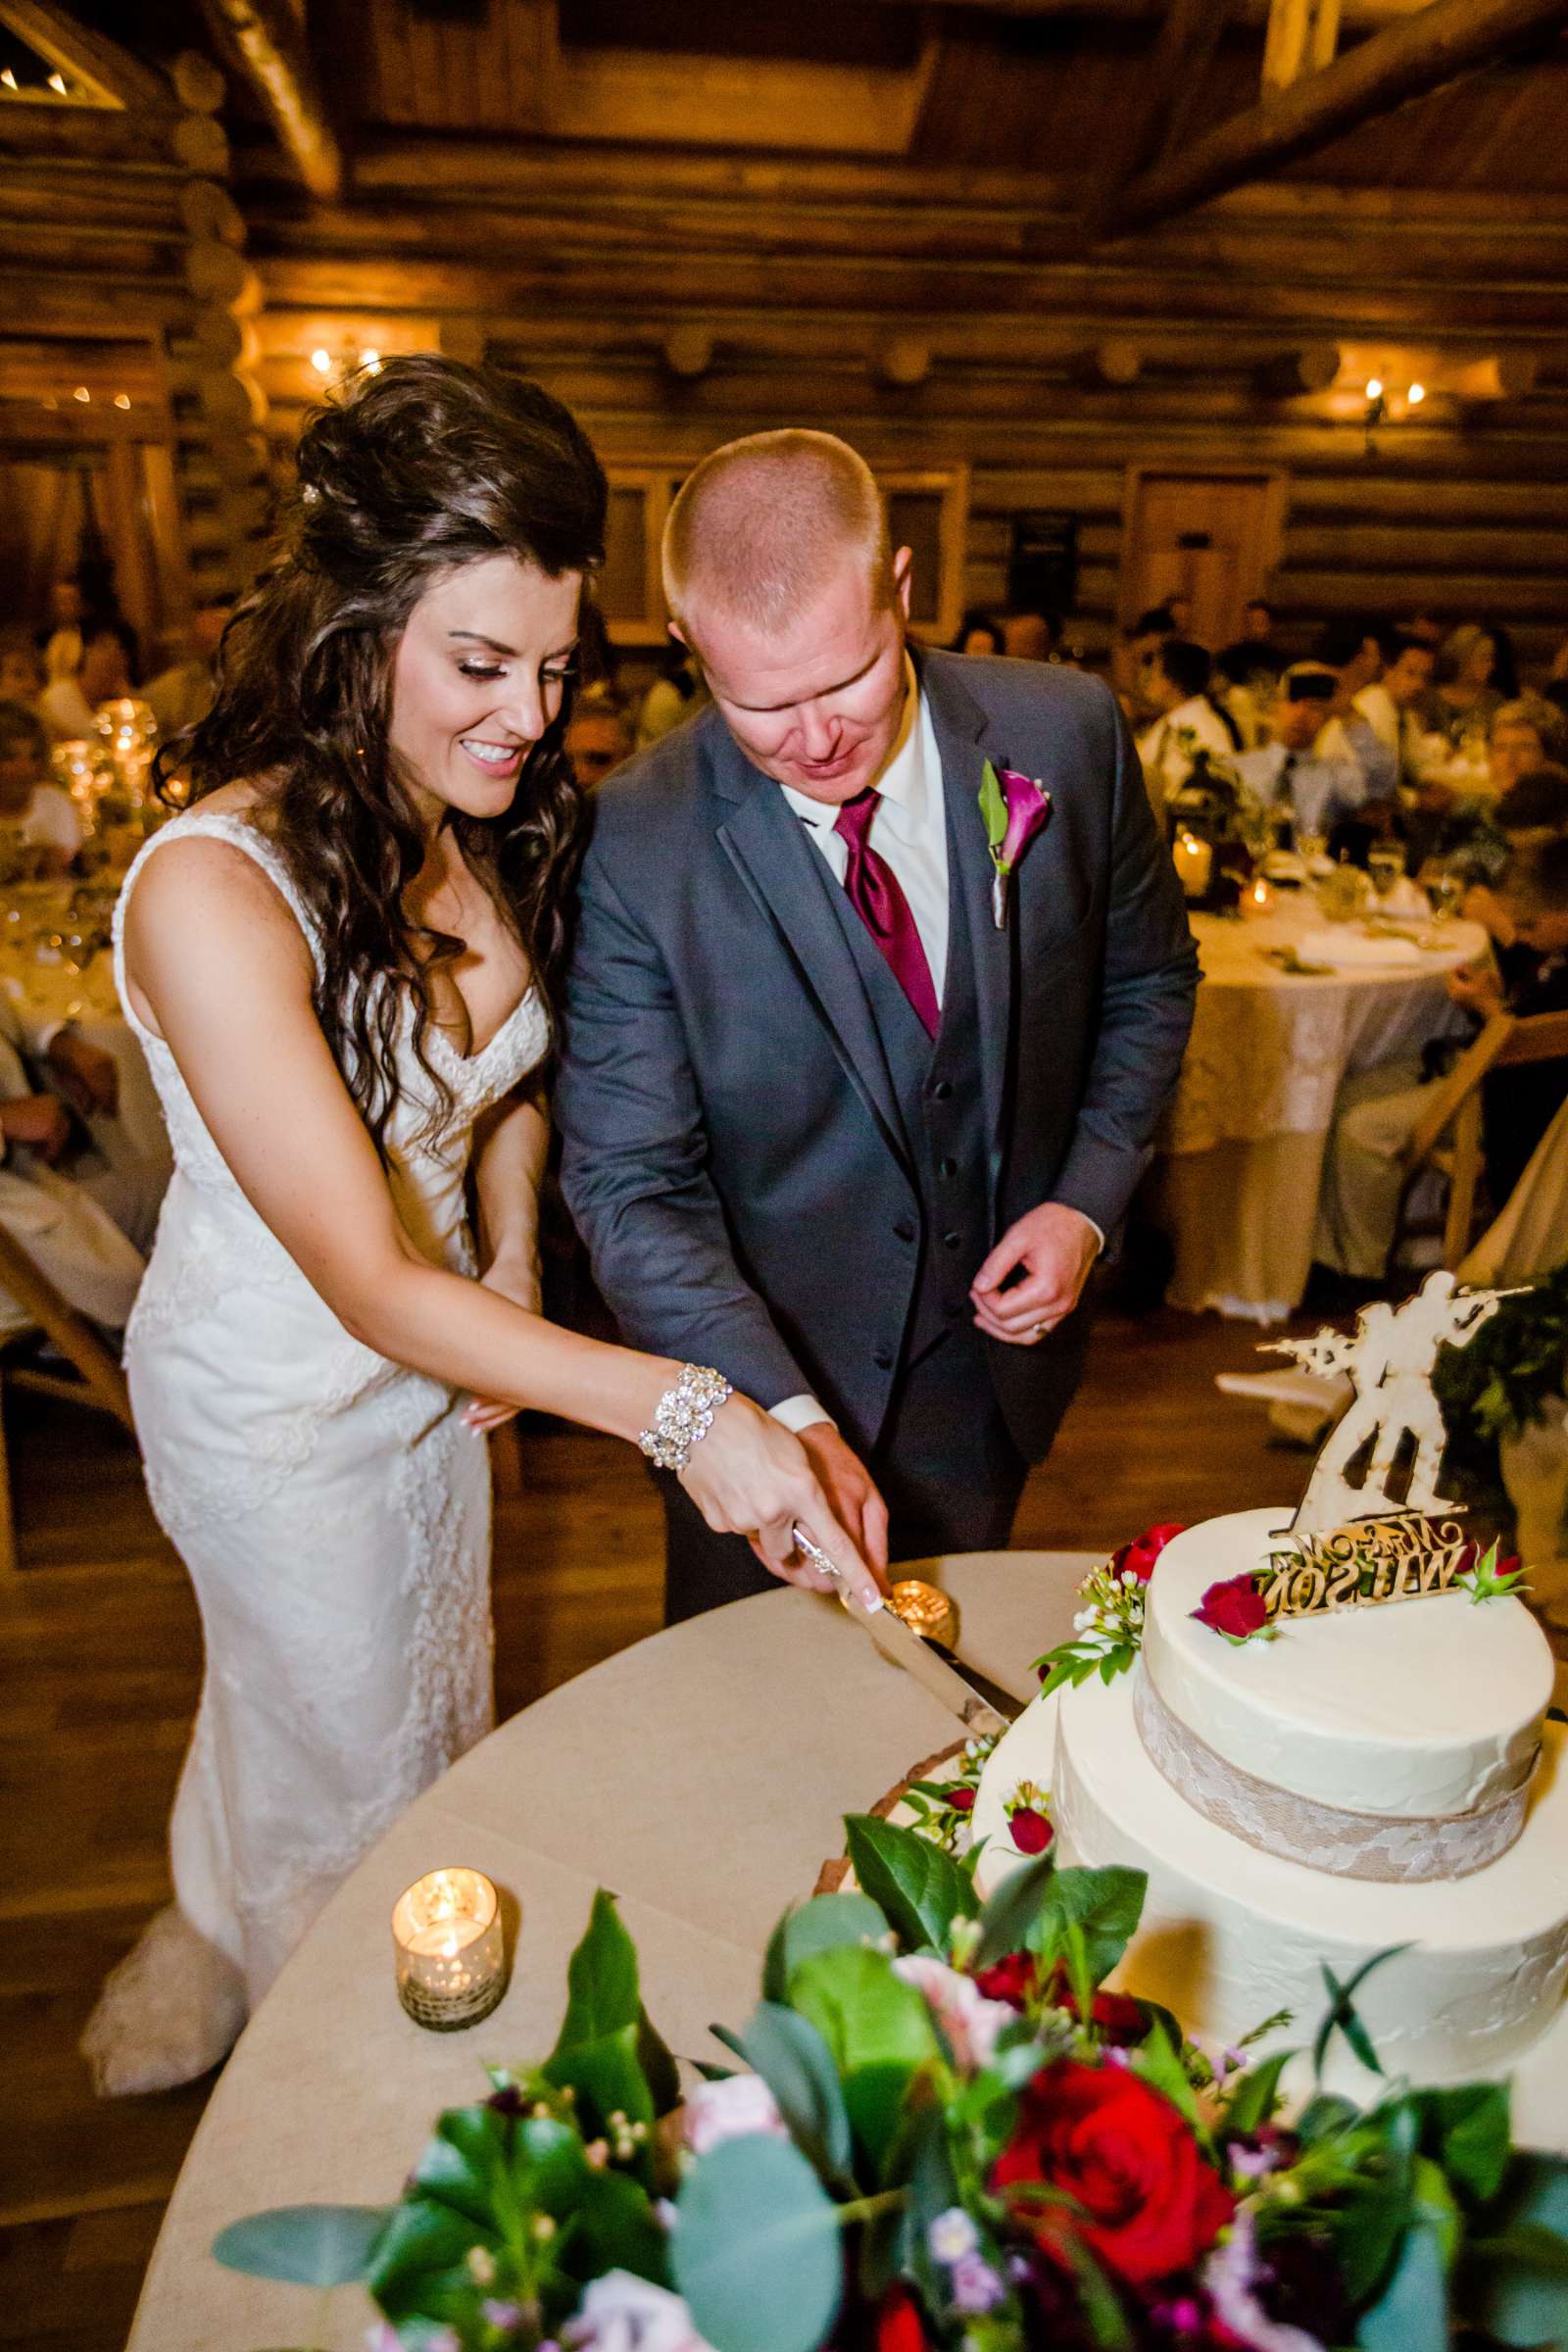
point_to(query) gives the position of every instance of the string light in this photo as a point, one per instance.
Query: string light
(82, 393)
(370, 361)
(121, 400)
(1416, 395)
(9, 78)
(321, 362)
(57, 82)
(1374, 387)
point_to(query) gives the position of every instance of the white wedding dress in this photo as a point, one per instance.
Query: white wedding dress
(333, 1511)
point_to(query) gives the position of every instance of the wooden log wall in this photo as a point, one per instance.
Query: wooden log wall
(674, 302)
(119, 235)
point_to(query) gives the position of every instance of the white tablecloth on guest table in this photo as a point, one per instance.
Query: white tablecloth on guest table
(701, 1775)
(1242, 1147)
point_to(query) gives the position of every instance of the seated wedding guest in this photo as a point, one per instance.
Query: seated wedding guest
(1464, 693)
(1378, 1109)
(21, 672)
(69, 708)
(1257, 622)
(1189, 721)
(60, 644)
(33, 813)
(675, 695)
(599, 737)
(1131, 663)
(978, 633)
(1351, 649)
(1031, 636)
(1245, 682)
(1290, 772)
(182, 694)
(1531, 816)
(1522, 734)
(72, 1236)
(1388, 702)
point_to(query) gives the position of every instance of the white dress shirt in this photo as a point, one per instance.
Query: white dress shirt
(1167, 760)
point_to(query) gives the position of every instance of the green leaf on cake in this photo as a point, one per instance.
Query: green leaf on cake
(308, 2245)
(1467, 2131)
(1411, 2313)
(1341, 2016)
(919, 1889)
(1257, 2093)
(818, 1926)
(1009, 1918)
(1104, 1906)
(1159, 2064)
(757, 2251)
(1513, 2284)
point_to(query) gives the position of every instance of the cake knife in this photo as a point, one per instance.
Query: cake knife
(981, 1706)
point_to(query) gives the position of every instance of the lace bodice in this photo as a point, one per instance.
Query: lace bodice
(475, 1081)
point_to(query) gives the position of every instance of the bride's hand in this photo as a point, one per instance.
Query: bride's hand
(749, 1475)
(516, 1278)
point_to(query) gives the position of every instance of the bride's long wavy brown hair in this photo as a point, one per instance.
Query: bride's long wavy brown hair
(427, 466)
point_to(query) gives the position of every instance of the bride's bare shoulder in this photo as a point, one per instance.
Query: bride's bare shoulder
(208, 884)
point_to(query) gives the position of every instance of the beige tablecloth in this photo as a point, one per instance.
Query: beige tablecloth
(701, 1775)
(1243, 1144)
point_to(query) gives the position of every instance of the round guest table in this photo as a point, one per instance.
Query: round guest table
(700, 1774)
(1242, 1144)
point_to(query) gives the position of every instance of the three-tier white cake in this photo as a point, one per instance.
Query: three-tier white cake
(1366, 1778)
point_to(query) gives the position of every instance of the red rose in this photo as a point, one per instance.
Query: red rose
(1147, 2204)
(1014, 1979)
(899, 2324)
(1031, 1832)
(1141, 1557)
(960, 1801)
(1234, 1607)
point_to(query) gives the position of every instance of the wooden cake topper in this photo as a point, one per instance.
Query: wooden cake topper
(1351, 1545)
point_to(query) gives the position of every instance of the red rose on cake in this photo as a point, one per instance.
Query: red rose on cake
(1116, 2017)
(1140, 1556)
(1144, 2202)
(1234, 1608)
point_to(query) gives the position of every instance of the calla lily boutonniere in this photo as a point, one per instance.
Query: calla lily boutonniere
(1014, 809)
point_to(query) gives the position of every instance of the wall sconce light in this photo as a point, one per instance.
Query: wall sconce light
(339, 368)
(1378, 409)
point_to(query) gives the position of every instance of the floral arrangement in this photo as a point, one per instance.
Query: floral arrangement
(1109, 1628)
(951, 2137)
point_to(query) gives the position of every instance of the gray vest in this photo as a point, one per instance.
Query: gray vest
(937, 1084)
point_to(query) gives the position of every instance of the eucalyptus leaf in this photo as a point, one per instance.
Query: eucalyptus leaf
(795, 2062)
(919, 1889)
(756, 2251)
(308, 2245)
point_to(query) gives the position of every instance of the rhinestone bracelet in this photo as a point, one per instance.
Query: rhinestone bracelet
(683, 1417)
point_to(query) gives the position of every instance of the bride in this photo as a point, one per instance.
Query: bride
(339, 963)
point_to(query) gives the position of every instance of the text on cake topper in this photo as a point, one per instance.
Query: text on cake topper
(1400, 1555)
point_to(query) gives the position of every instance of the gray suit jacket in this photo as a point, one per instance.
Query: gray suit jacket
(732, 1152)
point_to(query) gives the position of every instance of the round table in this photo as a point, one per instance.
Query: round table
(701, 1775)
(1243, 1144)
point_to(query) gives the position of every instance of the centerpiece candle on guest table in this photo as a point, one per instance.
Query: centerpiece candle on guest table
(451, 1959)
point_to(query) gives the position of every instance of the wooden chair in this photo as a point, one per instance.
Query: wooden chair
(102, 1383)
(1449, 1134)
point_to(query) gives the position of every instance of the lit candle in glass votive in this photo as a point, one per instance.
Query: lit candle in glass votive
(451, 1959)
(1193, 860)
(1260, 898)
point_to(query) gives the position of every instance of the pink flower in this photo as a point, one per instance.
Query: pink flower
(968, 2019)
(1028, 806)
(1232, 2275)
(733, 2109)
(622, 2314)
(1234, 1607)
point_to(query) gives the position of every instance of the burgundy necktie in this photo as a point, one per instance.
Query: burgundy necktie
(872, 890)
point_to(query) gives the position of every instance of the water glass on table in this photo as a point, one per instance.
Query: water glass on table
(1443, 886)
(1385, 865)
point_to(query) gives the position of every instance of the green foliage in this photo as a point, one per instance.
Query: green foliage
(603, 2034)
(878, 2030)
(757, 2251)
(1467, 2132)
(1008, 1919)
(1160, 2065)
(1256, 2096)
(1102, 1906)
(919, 1889)
(795, 2062)
(1411, 2314)
(993, 807)
(818, 1926)
(308, 2245)
(1341, 2016)
(1503, 1379)
(1513, 2280)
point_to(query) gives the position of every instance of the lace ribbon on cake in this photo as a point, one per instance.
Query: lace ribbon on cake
(1328, 1837)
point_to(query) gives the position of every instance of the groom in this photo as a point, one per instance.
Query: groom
(827, 1127)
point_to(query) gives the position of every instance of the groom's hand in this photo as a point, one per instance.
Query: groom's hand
(852, 1496)
(1052, 1249)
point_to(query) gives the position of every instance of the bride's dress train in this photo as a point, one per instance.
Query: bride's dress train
(333, 1512)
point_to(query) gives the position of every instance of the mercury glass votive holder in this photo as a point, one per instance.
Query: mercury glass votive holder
(451, 1956)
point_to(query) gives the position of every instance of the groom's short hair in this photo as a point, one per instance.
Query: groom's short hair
(762, 525)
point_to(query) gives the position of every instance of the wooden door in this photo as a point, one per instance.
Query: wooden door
(1212, 537)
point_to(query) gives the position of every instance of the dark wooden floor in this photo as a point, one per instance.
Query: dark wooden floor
(99, 1666)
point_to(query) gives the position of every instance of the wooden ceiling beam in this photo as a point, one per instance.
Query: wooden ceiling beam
(1359, 15)
(1440, 41)
(1302, 38)
(265, 40)
(110, 72)
(1168, 81)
